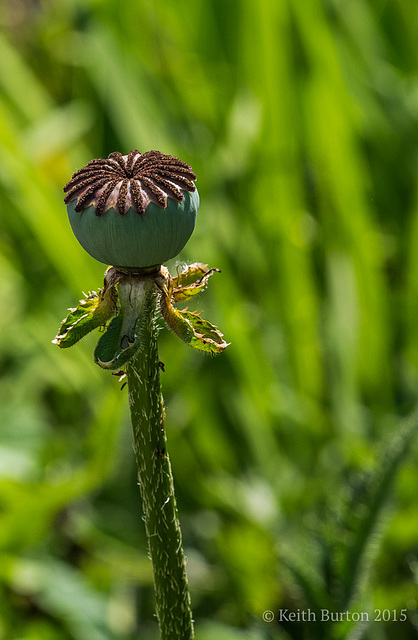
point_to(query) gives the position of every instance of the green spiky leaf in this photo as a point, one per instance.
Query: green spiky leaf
(115, 347)
(94, 311)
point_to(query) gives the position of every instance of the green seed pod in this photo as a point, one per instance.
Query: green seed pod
(134, 211)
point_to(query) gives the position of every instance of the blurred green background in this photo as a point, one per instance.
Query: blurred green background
(296, 475)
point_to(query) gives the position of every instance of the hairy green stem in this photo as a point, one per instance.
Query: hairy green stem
(154, 469)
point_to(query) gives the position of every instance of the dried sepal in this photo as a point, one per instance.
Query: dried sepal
(191, 280)
(190, 327)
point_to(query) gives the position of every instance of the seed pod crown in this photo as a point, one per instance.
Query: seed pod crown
(130, 181)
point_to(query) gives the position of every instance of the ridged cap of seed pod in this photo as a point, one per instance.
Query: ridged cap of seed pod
(134, 211)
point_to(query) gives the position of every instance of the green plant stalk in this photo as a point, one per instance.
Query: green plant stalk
(154, 469)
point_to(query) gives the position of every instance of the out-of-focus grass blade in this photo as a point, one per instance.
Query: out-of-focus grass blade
(29, 95)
